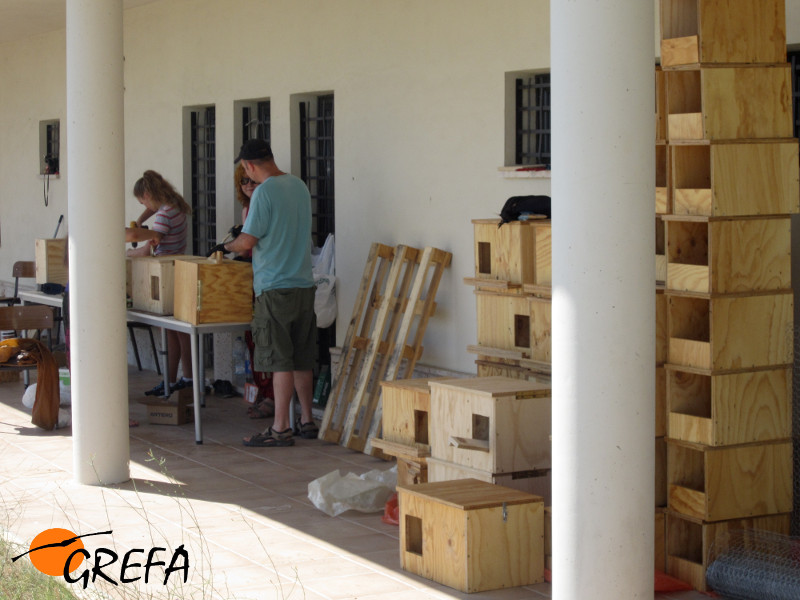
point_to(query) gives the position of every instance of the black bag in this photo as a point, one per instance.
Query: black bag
(517, 205)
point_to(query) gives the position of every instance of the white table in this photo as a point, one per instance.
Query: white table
(198, 367)
(34, 297)
(164, 322)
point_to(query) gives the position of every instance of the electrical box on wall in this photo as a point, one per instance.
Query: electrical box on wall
(48, 147)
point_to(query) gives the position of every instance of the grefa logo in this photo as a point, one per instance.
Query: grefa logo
(60, 552)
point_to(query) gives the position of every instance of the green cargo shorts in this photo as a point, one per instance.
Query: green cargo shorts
(284, 329)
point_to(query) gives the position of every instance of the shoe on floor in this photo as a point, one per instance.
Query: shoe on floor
(183, 382)
(270, 438)
(307, 431)
(157, 390)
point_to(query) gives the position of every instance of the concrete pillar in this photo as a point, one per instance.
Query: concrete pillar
(603, 189)
(96, 181)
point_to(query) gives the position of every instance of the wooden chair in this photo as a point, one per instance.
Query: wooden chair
(22, 269)
(20, 319)
(26, 318)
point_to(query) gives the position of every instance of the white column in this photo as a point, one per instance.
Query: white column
(95, 155)
(603, 189)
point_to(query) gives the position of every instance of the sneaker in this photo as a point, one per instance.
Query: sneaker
(183, 382)
(157, 390)
(307, 431)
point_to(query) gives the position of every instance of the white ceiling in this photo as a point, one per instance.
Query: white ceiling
(24, 18)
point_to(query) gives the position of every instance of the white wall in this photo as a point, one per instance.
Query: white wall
(419, 119)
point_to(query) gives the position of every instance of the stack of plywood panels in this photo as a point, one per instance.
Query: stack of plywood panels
(727, 182)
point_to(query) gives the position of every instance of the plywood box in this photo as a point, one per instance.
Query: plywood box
(471, 535)
(406, 406)
(717, 32)
(518, 323)
(412, 459)
(729, 103)
(728, 409)
(518, 252)
(729, 482)
(731, 333)
(690, 542)
(534, 481)
(729, 256)
(50, 264)
(735, 178)
(212, 291)
(153, 282)
(493, 424)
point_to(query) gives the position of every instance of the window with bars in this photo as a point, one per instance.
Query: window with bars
(203, 192)
(532, 119)
(317, 170)
(256, 121)
(49, 144)
(202, 195)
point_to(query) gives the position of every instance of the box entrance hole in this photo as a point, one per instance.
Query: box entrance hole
(421, 427)
(155, 294)
(484, 258)
(414, 535)
(480, 428)
(522, 331)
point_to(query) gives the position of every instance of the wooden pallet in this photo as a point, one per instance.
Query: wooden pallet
(384, 339)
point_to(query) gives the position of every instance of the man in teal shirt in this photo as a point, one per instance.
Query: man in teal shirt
(278, 231)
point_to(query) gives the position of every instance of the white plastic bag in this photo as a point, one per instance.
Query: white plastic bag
(323, 267)
(334, 494)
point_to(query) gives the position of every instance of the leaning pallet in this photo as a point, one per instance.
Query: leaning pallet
(384, 338)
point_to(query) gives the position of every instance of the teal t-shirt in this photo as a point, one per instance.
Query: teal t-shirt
(280, 217)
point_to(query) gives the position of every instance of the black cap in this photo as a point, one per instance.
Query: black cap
(254, 150)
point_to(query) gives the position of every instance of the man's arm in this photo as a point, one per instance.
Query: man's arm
(241, 243)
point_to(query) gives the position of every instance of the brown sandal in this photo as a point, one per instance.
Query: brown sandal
(261, 410)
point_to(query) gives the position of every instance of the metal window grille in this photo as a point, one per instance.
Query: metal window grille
(317, 170)
(204, 193)
(256, 123)
(533, 120)
(51, 146)
(203, 180)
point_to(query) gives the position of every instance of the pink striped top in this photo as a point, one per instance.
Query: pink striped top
(172, 223)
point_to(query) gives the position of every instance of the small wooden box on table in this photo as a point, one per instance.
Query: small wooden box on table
(49, 259)
(213, 290)
(153, 282)
(471, 535)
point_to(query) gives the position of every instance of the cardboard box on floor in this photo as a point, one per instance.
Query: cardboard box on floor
(172, 410)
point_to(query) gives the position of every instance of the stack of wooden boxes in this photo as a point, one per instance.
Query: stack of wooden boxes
(488, 440)
(513, 295)
(731, 174)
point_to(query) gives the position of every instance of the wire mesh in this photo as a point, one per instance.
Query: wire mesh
(755, 565)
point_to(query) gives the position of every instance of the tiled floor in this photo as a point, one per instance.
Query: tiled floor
(242, 514)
